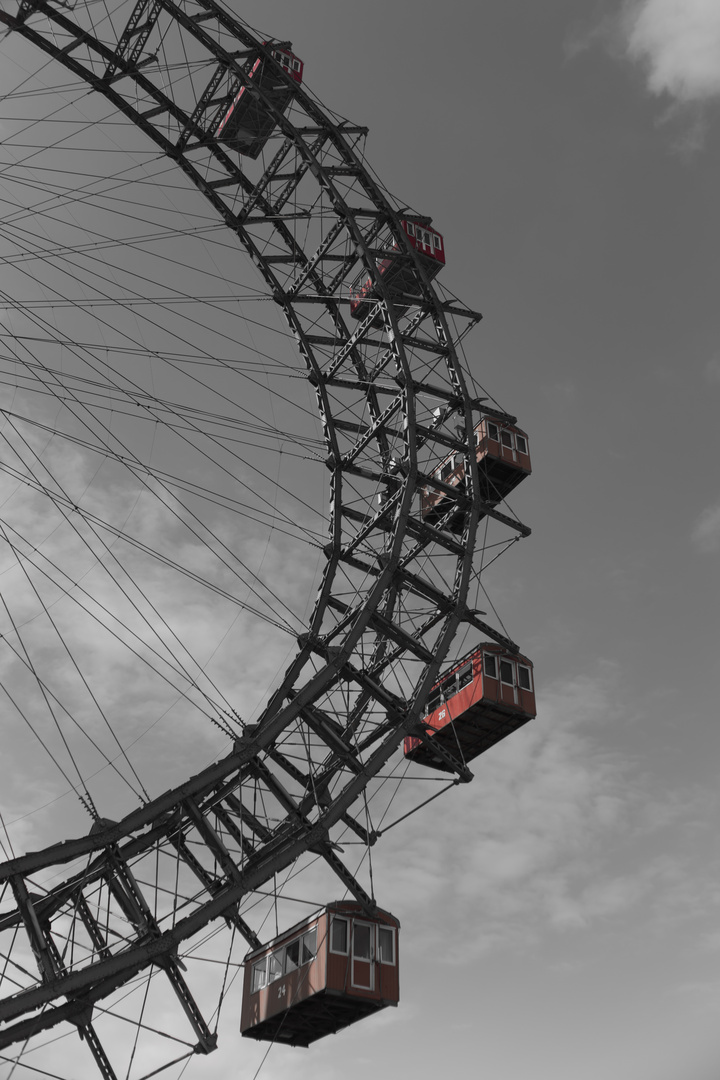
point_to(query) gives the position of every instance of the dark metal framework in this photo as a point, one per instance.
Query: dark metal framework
(394, 589)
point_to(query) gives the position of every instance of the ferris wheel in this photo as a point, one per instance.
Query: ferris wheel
(344, 426)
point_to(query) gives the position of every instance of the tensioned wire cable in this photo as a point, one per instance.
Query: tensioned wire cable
(102, 394)
(144, 396)
(116, 582)
(166, 560)
(78, 195)
(84, 795)
(241, 459)
(295, 197)
(32, 556)
(37, 149)
(98, 362)
(150, 156)
(109, 398)
(179, 690)
(133, 298)
(47, 694)
(67, 501)
(71, 717)
(81, 127)
(70, 656)
(181, 359)
(219, 499)
(138, 468)
(88, 252)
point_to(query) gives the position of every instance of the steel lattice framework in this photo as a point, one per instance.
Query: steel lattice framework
(393, 400)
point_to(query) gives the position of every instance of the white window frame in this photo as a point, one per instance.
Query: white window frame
(518, 448)
(505, 660)
(378, 951)
(448, 467)
(494, 658)
(524, 667)
(449, 683)
(369, 960)
(340, 952)
(307, 934)
(280, 955)
(429, 706)
(295, 941)
(361, 924)
(462, 671)
(256, 968)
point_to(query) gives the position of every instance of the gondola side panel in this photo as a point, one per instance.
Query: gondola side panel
(286, 991)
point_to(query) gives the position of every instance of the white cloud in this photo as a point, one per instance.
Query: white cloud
(706, 534)
(678, 43)
(520, 850)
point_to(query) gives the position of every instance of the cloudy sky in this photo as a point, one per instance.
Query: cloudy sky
(561, 915)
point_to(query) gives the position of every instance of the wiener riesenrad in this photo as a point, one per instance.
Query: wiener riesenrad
(251, 495)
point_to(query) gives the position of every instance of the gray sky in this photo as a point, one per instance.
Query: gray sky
(560, 915)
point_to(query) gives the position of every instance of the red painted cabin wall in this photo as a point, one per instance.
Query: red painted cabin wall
(292, 987)
(289, 62)
(385, 977)
(421, 238)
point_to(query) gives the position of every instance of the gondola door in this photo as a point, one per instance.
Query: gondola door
(363, 958)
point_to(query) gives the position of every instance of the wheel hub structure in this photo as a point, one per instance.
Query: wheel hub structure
(125, 905)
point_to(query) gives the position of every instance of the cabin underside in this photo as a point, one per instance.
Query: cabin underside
(323, 1014)
(497, 479)
(251, 124)
(401, 279)
(469, 735)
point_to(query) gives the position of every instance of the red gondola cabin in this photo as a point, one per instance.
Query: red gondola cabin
(484, 698)
(334, 968)
(398, 270)
(503, 459)
(248, 124)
